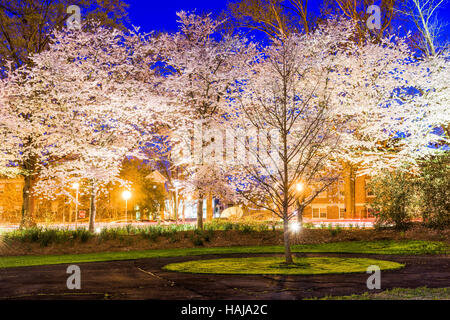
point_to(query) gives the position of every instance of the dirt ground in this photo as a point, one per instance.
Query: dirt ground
(145, 279)
(220, 239)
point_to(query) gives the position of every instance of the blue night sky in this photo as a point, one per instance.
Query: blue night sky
(161, 15)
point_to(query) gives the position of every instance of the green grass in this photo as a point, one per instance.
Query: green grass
(376, 247)
(408, 247)
(421, 293)
(274, 265)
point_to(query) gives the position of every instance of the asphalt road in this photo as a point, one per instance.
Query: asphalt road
(145, 279)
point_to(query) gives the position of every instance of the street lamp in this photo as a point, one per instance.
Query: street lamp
(76, 186)
(126, 195)
(295, 227)
(299, 187)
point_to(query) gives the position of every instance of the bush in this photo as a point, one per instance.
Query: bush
(434, 185)
(395, 200)
(308, 225)
(84, 235)
(45, 236)
(197, 241)
(334, 232)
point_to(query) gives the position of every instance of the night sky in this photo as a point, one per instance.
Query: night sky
(161, 15)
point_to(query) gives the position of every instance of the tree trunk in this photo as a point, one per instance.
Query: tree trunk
(287, 242)
(349, 191)
(92, 210)
(200, 213)
(175, 206)
(27, 203)
(182, 212)
(300, 209)
(209, 208)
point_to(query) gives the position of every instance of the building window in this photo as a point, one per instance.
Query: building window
(315, 213)
(341, 189)
(363, 213)
(341, 213)
(319, 213)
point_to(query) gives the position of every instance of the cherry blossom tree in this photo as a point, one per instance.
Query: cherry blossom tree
(202, 66)
(7, 125)
(84, 105)
(290, 92)
(402, 103)
(331, 101)
(208, 179)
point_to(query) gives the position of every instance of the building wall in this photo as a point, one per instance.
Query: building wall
(328, 205)
(10, 199)
(110, 206)
(331, 204)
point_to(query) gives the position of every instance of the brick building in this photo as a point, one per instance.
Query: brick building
(341, 201)
(346, 199)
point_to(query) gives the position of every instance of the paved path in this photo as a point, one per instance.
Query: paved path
(144, 279)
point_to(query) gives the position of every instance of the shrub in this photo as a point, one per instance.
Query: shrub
(246, 228)
(228, 226)
(395, 195)
(47, 236)
(84, 235)
(334, 232)
(197, 240)
(434, 185)
(308, 225)
(262, 227)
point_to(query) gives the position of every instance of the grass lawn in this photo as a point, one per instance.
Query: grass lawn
(376, 247)
(421, 293)
(274, 265)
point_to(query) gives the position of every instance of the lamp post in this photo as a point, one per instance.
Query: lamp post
(76, 186)
(126, 195)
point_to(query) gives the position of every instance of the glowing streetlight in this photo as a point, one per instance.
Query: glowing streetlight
(295, 227)
(76, 186)
(126, 195)
(299, 187)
